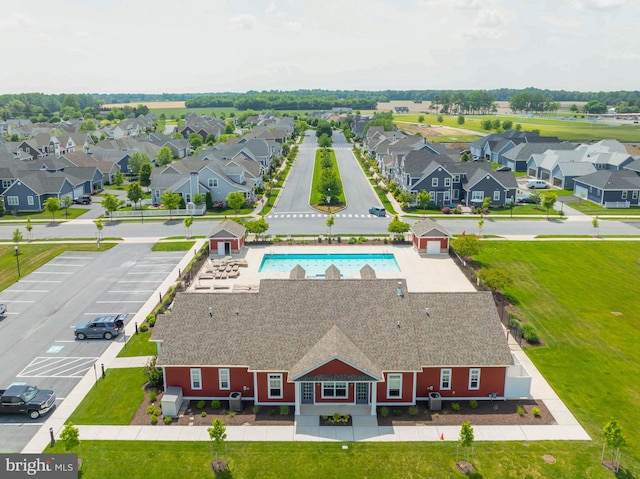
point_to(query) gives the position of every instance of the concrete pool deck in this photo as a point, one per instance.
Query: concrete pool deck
(423, 273)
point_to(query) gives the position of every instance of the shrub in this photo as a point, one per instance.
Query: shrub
(150, 317)
(536, 411)
(384, 411)
(157, 411)
(473, 404)
(153, 395)
(521, 410)
(352, 240)
(152, 322)
(413, 410)
(530, 334)
(397, 412)
(154, 419)
(203, 414)
(215, 404)
(272, 412)
(284, 410)
(446, 210)
(168, 419)
(232, 414)
(455, 406)
(201, 404)
(144, 328)
(256, 409)
(151, 409)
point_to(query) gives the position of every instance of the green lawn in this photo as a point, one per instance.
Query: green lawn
(284, 460)
(173, 246)
(592, 209)
(316, 197)
(139, 345)
(33, 256)
(582, 298)
(72, 213)
(113, 400)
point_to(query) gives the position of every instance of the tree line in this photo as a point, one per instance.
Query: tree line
(281, 101)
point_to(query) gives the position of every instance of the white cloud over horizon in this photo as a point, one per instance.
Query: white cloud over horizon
(158, 46)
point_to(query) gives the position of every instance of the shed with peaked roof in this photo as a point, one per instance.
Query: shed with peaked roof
(430, 237)
(226, 238)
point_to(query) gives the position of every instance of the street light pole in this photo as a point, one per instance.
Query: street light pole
(17, 260)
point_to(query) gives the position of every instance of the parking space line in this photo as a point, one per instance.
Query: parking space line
(120, 301)
(133, 292)
(47, 367)
(29, 290)
(38, 281)
(52, 272)
(16, 300)
(141, 281)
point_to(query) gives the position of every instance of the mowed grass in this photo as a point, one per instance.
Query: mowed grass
(583, 299)
(173, 246)
(316, 197)
(33, 256)
(139, 345)
(113, 400)
(284, 460)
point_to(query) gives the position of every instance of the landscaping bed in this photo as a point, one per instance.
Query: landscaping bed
(487, 413)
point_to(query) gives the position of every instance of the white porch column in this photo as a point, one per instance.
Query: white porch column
(374, 390)
(298, 395)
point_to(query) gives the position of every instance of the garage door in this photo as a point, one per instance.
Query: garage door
(580, 191)
(433, 247)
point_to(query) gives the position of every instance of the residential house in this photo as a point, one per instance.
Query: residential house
(29, 192)
(180, 148)
(374, 344)
(609, 188)
(430, 237)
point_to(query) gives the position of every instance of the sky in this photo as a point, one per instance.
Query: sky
(194, 46)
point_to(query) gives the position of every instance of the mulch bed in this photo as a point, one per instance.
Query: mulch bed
(502, 413)
(487, 413)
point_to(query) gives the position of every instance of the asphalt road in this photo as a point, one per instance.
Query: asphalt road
(37, 344)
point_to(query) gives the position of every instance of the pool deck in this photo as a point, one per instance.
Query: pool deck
(433, 273)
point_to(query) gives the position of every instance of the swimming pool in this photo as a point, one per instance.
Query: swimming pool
(317, 264)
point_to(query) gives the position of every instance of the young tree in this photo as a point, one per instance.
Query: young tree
(495, 278)
(135, 193)
(208, 200)
(507, 124)
(52, 204)
(153, 373)
(2, 208)
(421, 119)
(110, 203)
(136, 161)
(17, 236)
(486, 203)
(217, 434)
(548, 200)
(99, 225)
(480, 226)
(330, 221)
(324, 141)
(28, 226)
(170, 200)
(398, 227)
(165, 156)
(614, 439)
(118, 179)
(424, 198)
(466, 157)
(486, 124)
(536, 197)
(466, 439)
(70, 436)
(195, 140)
(145, 175)
(466, 245)
(66, 203)
(187, 224)
(257, 227)
(199, 199)
(460, 119)
(595, 222)
(329, 186)
(235, 200)
(440, 119)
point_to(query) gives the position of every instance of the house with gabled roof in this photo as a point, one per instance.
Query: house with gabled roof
(29, 192)
(430, 237)
(609, 188)
(375, 343)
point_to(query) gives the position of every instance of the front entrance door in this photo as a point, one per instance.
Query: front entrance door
(440, 198)
(362, 393)
(307, 393)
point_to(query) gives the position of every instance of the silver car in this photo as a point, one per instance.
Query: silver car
(106, 327)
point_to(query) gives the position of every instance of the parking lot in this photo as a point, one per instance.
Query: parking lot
(37, 343)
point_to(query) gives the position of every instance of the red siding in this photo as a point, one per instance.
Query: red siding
(238, 377)
(491, 381)
(407, 389)
(336, 367)
(288, 389)
(421, 243)
(236, 244)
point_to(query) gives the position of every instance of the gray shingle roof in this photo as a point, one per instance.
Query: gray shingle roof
(228, 226)
(428, 227)
(275, 329)
(612, 180)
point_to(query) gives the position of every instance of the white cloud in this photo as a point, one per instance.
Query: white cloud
(293, 26)
(16, 21)
(271, 8)
(600, 4)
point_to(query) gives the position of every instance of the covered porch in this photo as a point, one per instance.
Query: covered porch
(355, 398)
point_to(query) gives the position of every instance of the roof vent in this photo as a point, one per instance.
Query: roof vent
(400, 292)
(210, 312)
(237, 311)
(426, 311)
(398, 324)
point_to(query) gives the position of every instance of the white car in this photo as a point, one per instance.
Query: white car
(3, 309)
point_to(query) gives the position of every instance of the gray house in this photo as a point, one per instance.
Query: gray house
(609, 188)
(29, 193)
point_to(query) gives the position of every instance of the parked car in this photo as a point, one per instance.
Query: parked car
(525, 199)
(19, 398)
(533, 184)
(82, 200)
(3, 309)
(503, 168)
(378, 211)
(106, 327)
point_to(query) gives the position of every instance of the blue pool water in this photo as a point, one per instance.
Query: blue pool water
(317, 264)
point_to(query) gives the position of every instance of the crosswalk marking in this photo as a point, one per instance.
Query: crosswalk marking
(318, 215)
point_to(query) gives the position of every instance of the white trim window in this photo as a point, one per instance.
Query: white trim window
(213, 182)
(334, 389)
(13, 200)
(474, 378)
(275, 386)
(496, 195)
(394, 386)
(624, 194)
(634, 195)
(196, 378)
(223, 378)
(456, 178)
(447, 182)
(30, 200)
(6, 183)
(434, 182)
(445, 379)
(477, 195)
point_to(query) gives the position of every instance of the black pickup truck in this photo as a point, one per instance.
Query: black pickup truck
(29, 400)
